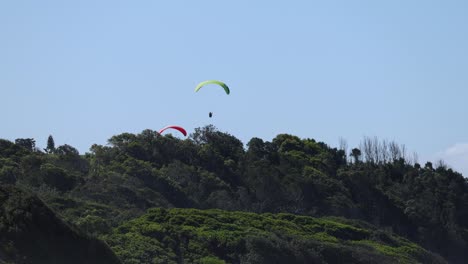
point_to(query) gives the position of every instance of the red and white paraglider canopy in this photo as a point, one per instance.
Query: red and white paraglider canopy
(178, 128)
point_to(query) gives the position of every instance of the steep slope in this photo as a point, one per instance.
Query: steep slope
(31, 233)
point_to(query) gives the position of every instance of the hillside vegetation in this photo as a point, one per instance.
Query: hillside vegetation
(31, 233)
(216, 236)
(376, 183)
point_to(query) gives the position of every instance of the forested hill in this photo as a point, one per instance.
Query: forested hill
(113, 184)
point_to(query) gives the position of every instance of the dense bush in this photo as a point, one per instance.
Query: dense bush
(216, 236)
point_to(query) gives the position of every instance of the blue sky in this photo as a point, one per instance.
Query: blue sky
(86, 70)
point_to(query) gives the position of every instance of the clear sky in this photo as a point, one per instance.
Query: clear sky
(86, 70)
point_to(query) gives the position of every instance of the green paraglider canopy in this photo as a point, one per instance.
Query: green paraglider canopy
(200, 85)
